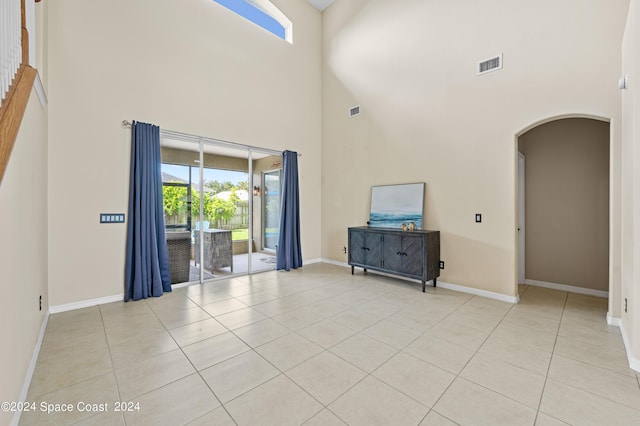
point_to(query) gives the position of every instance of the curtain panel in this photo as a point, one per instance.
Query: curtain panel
(147, 258)
(289, 252)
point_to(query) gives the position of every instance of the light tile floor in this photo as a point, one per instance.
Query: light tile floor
(318, 346)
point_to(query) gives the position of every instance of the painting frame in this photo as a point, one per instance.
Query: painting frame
(393, 205)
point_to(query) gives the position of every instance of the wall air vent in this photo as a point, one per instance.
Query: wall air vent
(354, 110)
(490, 64)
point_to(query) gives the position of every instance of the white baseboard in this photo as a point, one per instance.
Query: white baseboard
(32, 367)
(477, 292)
(177, 286)
(568, 288)
(335, 262)
(611, 320)
(120, 297)
(454, 287)
(86, 303)
(634, 363)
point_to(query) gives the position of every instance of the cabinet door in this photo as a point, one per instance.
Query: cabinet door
(365, 248)
(403, 253)
(373, 249)
(393, 252)
(412, 259)
(356, 247)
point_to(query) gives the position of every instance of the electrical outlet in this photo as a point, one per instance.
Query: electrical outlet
(442, 264)
(478, 218)
(625, 305)
(40, 302)
(344, 250)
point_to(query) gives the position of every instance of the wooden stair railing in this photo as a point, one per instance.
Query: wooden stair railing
(13, 107)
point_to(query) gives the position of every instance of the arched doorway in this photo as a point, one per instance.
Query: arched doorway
(566, 204)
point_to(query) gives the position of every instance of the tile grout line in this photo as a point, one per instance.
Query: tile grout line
(324, 350)
(555, 342)
(199, 371)
(423, 333)
(281, 373)
(398, 351)
(192, 365)
(113, 367)
(467, 363)
(611, 372)
(330, 279)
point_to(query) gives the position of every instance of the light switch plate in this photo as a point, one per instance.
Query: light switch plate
(111, 217)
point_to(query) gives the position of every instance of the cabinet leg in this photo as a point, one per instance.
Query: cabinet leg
(424, 286)
(434, 281)
(351, 269)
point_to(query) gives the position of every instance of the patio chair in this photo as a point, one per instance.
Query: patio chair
(179, 248)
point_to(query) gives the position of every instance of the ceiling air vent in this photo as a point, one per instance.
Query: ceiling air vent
(490, 64)
(353, 111)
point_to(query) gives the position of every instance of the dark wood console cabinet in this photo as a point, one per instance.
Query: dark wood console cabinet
(410, 254)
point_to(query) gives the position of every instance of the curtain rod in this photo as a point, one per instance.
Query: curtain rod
(193, 138)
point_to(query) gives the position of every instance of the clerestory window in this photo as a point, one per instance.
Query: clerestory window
(264, 14)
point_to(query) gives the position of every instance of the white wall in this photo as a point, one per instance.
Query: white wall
(23, 251)
(630, 183)
(190, 66)
(427, 117)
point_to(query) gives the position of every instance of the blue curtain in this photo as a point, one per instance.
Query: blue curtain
(147, 258)
(289, 254)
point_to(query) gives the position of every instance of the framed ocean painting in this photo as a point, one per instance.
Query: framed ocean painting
(393, 205)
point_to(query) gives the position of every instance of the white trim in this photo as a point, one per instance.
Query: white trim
(270, 9)
(186, 137)
(442, 284)
(86, 303)
(333, 262)
(183, 285)
(611, 320)
(120, 297)
(569, 288)
(42, 96)
(32, 367)
(521, 218)
(634, 363)
(477, 292)
(561, 117)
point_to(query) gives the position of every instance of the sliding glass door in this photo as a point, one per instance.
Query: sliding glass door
(213, 199)
(271, 210)
(181, 209)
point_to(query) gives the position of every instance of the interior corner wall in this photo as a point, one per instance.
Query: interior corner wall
(630, 303)
(23, 251)
(190, 66)
(426, 116)
(567, 202)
